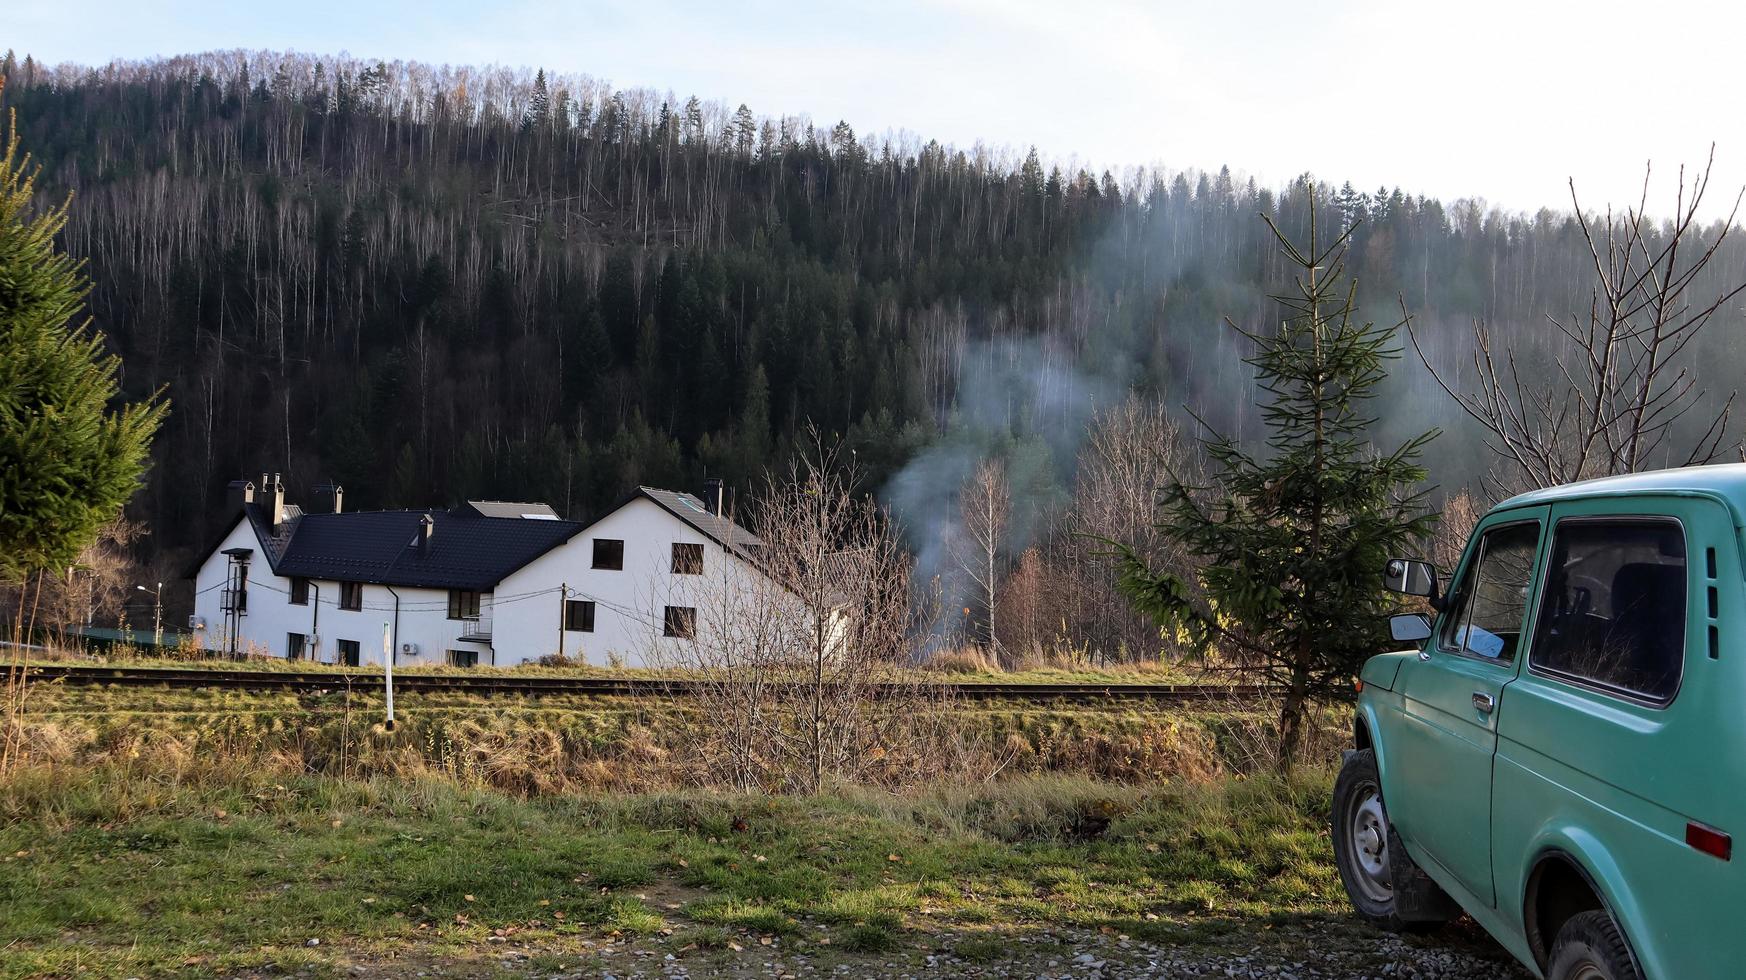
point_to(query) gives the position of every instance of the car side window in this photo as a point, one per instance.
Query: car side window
(1486, 610)
(1615, 606)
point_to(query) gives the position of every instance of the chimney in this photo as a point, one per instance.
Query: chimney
(334, 492)
(714, 497)
(275, 502)
(240, 493)
(426, 527)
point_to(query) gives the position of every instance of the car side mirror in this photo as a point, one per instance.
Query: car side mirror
(1411, 577)
(1409, 628)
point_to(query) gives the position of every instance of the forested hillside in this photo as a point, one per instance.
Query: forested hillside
(437, 283)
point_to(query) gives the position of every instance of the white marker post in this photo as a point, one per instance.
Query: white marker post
(388, 663)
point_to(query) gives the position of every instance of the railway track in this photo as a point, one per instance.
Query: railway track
(365, 681)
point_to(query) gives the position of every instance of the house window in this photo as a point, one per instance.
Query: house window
(679, 621)
(294, 646)
(463, 605)
(351, 595)
(687, 559)
(579, 615)
(300, 592)
(609, 554)
(463, 658)
(350, 653)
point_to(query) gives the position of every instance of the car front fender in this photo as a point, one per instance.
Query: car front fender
(1378, 713)
(1383, 669)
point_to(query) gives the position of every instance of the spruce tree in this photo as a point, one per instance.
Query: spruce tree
(1289, 544)
(539, 104)
(67, 461)
(745, 130)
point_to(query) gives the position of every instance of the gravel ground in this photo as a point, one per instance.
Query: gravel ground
(1320, 950)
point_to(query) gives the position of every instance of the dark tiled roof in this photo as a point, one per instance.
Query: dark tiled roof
(273, 542)
(472, 547)
(694, 512)
(466, 551)
(511, 508)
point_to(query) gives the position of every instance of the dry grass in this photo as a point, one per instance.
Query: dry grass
(1060, 665)
(965, 663)
(570, 743)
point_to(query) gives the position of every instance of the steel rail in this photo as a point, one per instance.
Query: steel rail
(364, 681)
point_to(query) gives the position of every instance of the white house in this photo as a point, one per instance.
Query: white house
(631, 582)
(488, 583)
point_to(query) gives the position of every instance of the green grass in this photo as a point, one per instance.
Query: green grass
(981, 949)
(868, 937)
(211, 873)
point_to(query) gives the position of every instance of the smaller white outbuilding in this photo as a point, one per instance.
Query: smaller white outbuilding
(491, 582)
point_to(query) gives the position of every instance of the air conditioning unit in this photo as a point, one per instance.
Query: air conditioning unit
(409, 649)
(196, 622)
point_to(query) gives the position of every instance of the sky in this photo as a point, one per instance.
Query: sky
(1502, 101)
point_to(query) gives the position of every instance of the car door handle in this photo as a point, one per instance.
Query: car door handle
(1483, 702)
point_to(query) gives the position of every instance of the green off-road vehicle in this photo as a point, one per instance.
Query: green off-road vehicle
(1563, 756)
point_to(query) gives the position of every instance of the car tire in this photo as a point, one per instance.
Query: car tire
(1365, 851)
(1590, 947)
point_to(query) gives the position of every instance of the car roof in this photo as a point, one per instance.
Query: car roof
(1726, 482)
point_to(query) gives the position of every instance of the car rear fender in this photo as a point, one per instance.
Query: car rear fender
(1595, 863)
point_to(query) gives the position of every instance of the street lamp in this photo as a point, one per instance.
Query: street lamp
(157, 595)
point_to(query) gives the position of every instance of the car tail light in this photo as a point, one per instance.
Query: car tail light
(1709, 840)
(1358, 685)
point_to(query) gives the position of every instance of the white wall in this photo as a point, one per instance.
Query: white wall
(628, 604)
(525, 611)
(271, 616)
(209, 584)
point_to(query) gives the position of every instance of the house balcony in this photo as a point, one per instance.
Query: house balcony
(476, 629)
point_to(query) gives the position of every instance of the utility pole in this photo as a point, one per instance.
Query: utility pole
(157, 595)
(563, 611)
(315, 623)
(388, 665)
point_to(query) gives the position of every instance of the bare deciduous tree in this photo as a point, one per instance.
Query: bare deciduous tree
(94, 588)
(804, 664)
(1620, 395)
(733, 660)
(847, 650)
(1061, 601)
(1133, 450)
(1032, 606)
(1460, 514)
(99, 583)
(985, 504)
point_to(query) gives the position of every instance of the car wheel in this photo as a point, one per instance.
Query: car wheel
(1590, 947)
(1365, 858)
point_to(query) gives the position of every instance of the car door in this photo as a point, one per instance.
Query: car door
(1440, 798)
